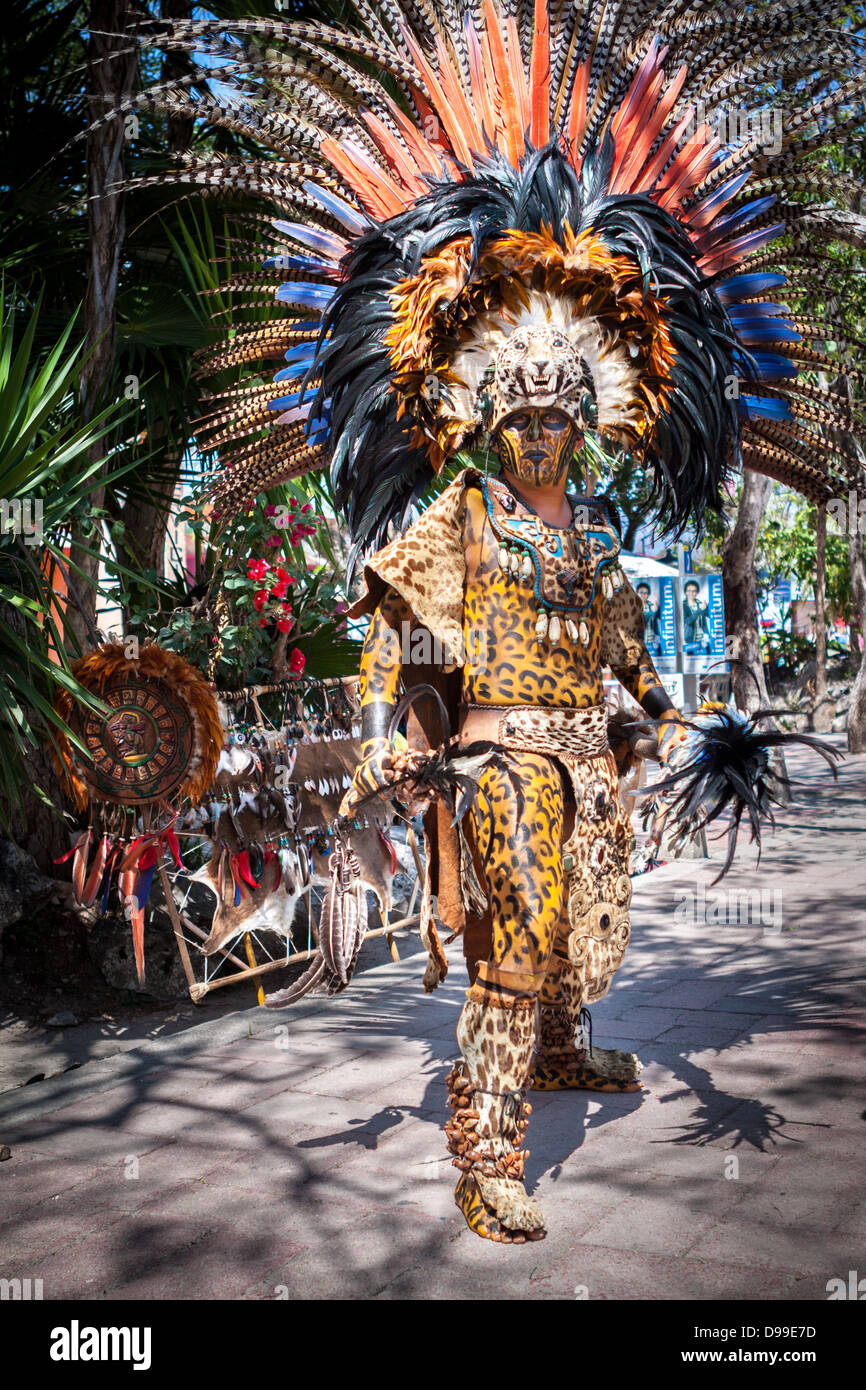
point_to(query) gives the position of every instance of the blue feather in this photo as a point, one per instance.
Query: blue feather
(143, 885)
(746, 286)
(285, 261)
(295, 372)
(759, 408)
(760, 310)
(770, 365)
(320, 426)
(106, 890)
(314, 237)
(301, 351)
(305, 292)
(744, 214)
(729, 189)
(775, 331)
(350, 218)
(289, 402)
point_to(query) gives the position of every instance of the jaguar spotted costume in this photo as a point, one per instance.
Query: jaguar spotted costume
(502, 241)
(540, 610)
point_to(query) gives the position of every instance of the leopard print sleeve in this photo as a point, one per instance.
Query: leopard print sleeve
(381, 666)
(623, 650)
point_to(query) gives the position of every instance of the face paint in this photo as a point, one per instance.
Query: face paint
(537, 445)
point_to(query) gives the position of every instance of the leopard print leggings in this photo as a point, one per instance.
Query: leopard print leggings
(553, 845)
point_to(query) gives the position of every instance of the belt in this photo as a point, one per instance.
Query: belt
(574, 733)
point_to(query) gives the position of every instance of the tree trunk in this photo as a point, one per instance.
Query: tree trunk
(110, 76)
(141, 544)
(857, 711)
(741, 595)
(35, 827)
(823, 711)
(145, 520)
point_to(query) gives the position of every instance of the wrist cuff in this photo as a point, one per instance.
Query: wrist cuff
(657, 703)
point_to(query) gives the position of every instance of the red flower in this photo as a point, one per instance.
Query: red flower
(283, 624)
(263, 622)
(260, 598)
(279, 590)
(297, 662)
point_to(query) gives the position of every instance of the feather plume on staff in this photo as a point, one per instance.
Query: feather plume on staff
(724, 767)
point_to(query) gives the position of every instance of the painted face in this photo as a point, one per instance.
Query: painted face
(537, 445)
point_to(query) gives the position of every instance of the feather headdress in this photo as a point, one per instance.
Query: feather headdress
(449, 172)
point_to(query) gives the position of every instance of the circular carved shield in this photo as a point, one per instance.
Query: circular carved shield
(142, 749)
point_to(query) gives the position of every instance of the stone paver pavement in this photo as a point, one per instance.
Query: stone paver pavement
(301, 1154)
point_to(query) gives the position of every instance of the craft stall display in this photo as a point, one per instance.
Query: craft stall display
(168, 764)
(289, 755)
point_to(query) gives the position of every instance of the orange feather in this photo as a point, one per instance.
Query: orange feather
(482, 95)
(507, 101)
(518, 76)
(689, 167)
(402, 162)
(577, 111)
(635, 180)
(642, 135)
(665, 151)
(138, 942)
(375, 189)
(643, 79)
(427, 156)
(492, 87)
(453, 90)
(539, 82)
(443, 108)
(636, 133)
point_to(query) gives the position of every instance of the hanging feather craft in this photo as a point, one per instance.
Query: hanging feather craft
(156, 740)
(450, 772)
(160, 735)
(438, 178)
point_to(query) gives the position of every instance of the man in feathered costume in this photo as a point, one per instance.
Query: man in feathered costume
(500, 235)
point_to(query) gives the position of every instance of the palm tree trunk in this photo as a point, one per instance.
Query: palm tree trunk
(111, 73)
(145, 520)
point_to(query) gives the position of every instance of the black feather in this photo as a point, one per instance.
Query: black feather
(726, 767)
